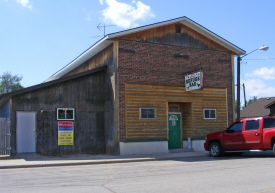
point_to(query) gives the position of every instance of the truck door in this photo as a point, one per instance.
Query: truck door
(252, 135)
(233, 138)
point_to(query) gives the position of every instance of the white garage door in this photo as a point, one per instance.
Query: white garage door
(25, 132)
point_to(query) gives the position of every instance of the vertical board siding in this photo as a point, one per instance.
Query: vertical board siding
(100, 59)
(87, 94)
(193, 123)
(4, 136)
(166, 35)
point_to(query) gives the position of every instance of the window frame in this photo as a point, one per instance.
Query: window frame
(204, 110)
(140, 113)
(57, 110)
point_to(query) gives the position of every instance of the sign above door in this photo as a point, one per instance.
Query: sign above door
(194, 81)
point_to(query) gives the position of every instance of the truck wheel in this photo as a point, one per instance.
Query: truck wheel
(215, 149)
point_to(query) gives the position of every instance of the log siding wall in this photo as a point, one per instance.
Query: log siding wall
(193, 103)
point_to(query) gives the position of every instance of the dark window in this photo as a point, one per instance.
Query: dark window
(173, 108)
(65, 114)
(209, 113)
(237, 127)
(178, 28)
(252, 125)
(147, 113)
(269, 123)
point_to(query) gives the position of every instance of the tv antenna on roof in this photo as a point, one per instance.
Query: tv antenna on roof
(99, 26)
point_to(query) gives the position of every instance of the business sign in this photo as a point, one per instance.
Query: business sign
(173, 118)
(65, 133)
(194, 81)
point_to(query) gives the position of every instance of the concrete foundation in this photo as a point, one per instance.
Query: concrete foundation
(130, 148)
(197, 145)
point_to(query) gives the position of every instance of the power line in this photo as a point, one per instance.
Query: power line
(260, 59)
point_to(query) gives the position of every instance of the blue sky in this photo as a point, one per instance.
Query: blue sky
(39, 37)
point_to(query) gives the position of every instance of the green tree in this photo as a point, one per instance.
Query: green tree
(251, 100)
(9, 81)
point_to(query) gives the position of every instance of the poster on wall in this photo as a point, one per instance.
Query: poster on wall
(65, 133)
(194, 81)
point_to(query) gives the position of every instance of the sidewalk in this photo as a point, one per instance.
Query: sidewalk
(36, 160)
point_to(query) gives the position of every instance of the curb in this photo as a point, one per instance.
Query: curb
(94, 162)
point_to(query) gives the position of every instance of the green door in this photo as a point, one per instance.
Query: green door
(174, 130)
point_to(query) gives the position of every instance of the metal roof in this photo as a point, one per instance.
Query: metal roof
(108, 40)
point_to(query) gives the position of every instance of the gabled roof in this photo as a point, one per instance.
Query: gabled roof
(257, 108)
(270, 104)
(108, 40)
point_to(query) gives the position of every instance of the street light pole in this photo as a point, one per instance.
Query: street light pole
(238, 86)
(239, 58)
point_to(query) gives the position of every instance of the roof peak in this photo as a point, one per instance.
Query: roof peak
(109, 38)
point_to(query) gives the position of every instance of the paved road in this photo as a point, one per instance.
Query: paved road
(247, 173)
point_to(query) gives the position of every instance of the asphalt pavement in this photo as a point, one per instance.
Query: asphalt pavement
(29, 160)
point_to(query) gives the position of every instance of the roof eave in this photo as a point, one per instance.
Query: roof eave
(86, 55)
(209, 34)
(108, 40)
(189, 23)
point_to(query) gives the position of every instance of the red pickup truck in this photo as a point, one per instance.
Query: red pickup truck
(245, 134)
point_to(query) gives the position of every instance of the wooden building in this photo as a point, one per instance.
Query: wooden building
(271, 106)
(132, 93)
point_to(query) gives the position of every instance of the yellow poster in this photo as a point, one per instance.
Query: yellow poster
(65, 133)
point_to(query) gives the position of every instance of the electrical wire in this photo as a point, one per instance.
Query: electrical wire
(260, 59)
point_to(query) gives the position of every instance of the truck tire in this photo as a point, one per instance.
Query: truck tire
(215, 149)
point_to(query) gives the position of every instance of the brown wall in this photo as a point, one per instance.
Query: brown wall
(90, 98)
(192, 105)
(166, 35)
(156, 64)
(105, 57)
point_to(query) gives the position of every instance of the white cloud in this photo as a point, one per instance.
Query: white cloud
(25, 3)
(265, 73)
(125, 15)
(256, 87)
(88, 16)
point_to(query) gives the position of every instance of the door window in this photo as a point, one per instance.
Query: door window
(252, 125)
(174, 107)
(237, 127)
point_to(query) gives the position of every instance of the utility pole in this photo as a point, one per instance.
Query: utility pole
(244, 95)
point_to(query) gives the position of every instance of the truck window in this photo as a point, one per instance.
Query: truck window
(237, 127)
(252, 125)
(269, 123)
